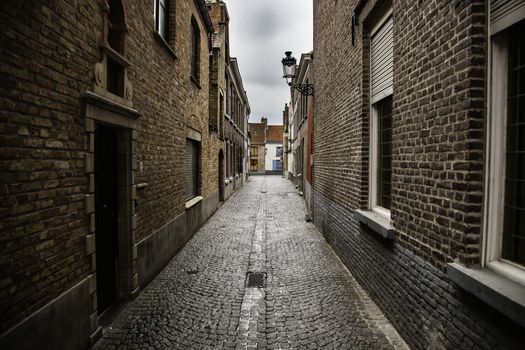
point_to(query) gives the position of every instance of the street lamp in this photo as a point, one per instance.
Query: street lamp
(289, 66)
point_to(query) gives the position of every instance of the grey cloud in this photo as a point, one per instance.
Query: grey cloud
(260, 32)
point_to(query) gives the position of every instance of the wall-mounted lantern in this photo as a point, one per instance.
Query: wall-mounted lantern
(289, 66)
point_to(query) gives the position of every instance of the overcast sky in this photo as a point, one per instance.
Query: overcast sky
(260, 32)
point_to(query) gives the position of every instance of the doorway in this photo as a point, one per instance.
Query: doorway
(221, 176)
(106, 216)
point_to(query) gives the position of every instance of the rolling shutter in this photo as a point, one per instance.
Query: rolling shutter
(192, 168)
(382, 57)
(504, 13)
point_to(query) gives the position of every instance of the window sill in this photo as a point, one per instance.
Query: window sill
(376, 222)
(192, 202)
(499, 292)
(195, 82)
(163, 43)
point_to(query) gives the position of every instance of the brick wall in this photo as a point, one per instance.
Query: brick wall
(46, 62)
(424, 306)
(170, 103)
(48, 54)
(438, 122)
(438, 142)
(438, 129)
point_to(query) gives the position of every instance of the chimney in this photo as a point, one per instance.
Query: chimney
(264, 120)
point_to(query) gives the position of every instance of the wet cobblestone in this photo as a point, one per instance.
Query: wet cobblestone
(200, 300)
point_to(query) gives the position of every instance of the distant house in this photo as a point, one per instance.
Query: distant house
(257, 136)
(274, 149)
(266, 148)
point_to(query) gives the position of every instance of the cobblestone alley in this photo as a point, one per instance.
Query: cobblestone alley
(200, 300)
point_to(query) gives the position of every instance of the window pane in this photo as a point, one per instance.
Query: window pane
(384, 164)
(520, 142)
(194, 51)
(512, 110)
(513, 242)
(521, 77)
(163, 20)
(192, 168)
(521, 109)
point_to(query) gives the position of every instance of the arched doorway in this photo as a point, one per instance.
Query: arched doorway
(220, 176)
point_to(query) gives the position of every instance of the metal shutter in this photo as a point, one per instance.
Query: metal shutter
(504, 13)
(192, 168)
(382, 57)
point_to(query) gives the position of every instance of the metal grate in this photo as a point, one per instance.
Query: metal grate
(255, 279)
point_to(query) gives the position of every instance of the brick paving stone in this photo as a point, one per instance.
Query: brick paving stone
(200, 300)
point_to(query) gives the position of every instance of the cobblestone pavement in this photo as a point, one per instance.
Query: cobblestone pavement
(199, 301)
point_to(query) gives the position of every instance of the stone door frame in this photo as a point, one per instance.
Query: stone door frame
(100, 110)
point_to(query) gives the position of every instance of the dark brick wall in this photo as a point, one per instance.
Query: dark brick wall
(439, 101)
(437, 183)
(47, 53)
(48, 50)
(438, 120)
(420, 301)
(170, 102)
(340, 125)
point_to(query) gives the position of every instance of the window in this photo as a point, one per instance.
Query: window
(195, 50)
(192, 168)
(505, 214)
(279, 151)
(513, 242)
(381, 89)
(162, 18)
(232, 160)
(117, 26)
(115, 77)
(116, 39)
(384, 151)
(221, 115)
(239, 160)
(254, 165)
(304, 105)
(254, 151)
(228, 155)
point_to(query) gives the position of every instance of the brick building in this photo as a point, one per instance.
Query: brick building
(300, 126)
(229, 106)
(257, 135)
(108, 163)
(417, 184)
(273, 146)
(266, 148)
(287, 149)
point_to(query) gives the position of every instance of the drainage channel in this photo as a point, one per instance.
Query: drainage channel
(253, 307)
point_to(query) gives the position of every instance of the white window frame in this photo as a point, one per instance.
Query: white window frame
(495, 165)
(374, 129)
